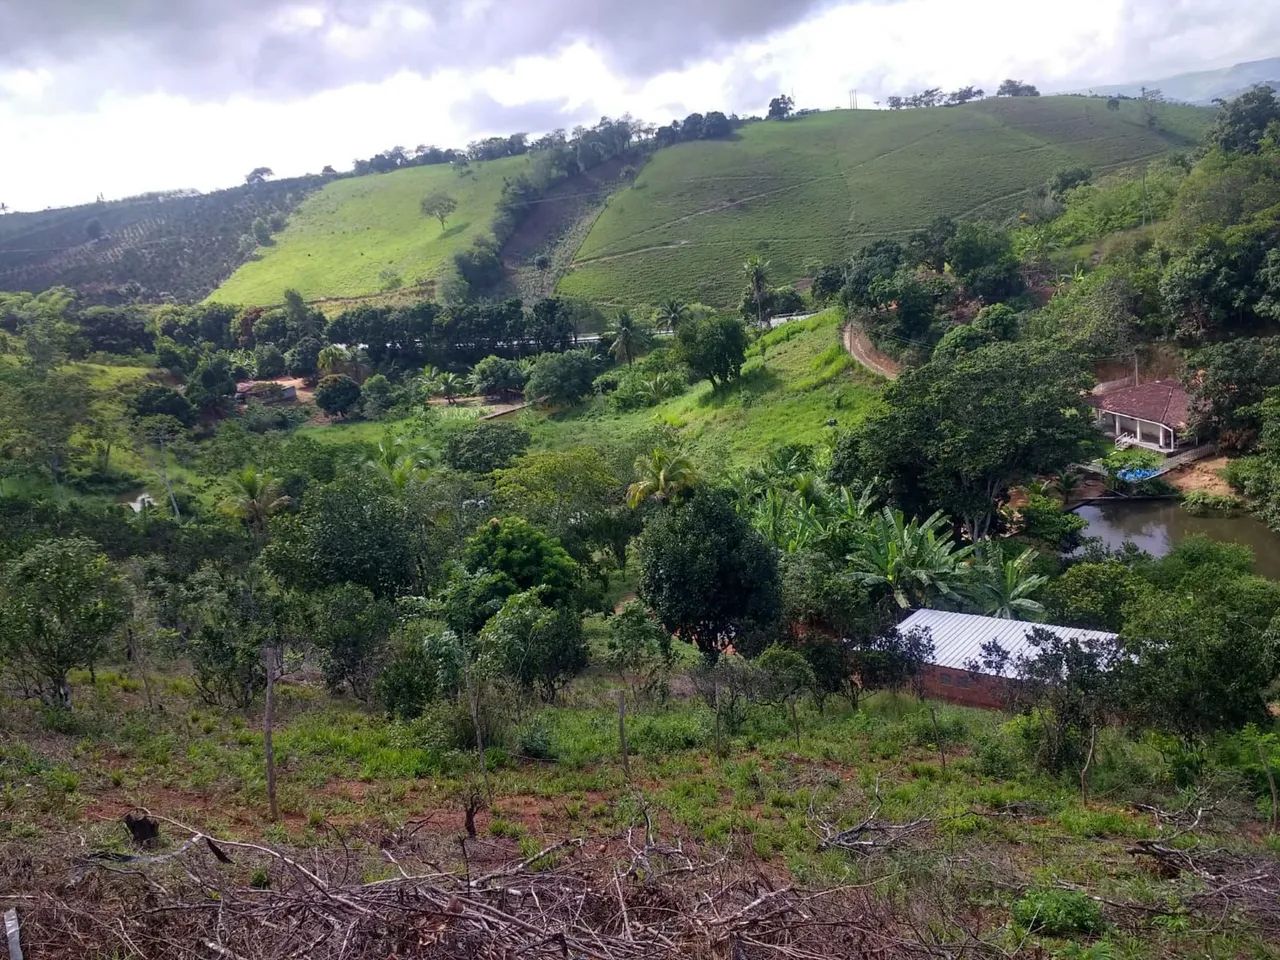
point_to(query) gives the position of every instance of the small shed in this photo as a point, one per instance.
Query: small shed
(958, 639)
(1149, 415)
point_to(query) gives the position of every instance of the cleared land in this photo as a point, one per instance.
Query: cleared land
(817, 187)
(364, 235)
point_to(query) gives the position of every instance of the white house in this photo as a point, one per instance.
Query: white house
(1150, 415)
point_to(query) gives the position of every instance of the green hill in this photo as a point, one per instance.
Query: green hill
(364, 235)
(816, 187)
(175, 244)
(798, 381)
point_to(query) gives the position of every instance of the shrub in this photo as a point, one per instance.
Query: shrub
(485, 447)
(337, 395)
(1201, 503)
(1058, 913)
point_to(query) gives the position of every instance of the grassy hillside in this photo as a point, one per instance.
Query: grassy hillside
(817, 187)
(358, 236)
(797, 378)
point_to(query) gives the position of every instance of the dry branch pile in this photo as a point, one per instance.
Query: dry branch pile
(630, 899)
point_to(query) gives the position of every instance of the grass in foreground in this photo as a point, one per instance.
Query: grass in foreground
(997, 833)
(817, 187)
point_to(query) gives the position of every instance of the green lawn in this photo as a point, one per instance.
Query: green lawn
(350, 238)
(797, 380)
(818, 187)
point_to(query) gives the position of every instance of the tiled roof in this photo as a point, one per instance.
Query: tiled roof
(958, 637)
(1160, 401)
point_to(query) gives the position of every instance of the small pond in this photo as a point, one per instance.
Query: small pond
(1157, 526)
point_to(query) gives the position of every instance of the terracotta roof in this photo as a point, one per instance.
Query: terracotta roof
(1160, 401)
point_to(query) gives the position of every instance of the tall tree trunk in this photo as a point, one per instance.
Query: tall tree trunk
(268, 724)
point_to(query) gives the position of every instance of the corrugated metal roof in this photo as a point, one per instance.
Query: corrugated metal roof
(958, 637)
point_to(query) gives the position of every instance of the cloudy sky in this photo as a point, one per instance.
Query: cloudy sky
(121, 96)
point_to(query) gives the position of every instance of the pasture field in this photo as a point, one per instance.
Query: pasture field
(817, 187)
(359, 236)
(797, 380)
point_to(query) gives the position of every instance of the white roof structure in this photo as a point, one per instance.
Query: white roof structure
(958, 637)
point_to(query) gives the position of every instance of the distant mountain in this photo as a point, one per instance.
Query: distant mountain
(1203, 86)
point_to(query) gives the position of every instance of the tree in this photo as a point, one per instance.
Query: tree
(1005, 587)
(485, 447)
(63, 600)
(917, 562)
(561, 379)
(756, 270)
(1070, 684)
(640, 650)
(671, 314)
(337, 395)
(352, 628)
(787, 677)
(627, 338)
(302, 359)
(226, 620)
(1113, 104)
(1016, 88)
(438, 204)
(526, 558)
(348, 531)
(574, 494)
(537, 644)
(662, 474)
(780, 107)
(497, 376)
(255, 497)
(93, 229)
(1242, 123)
(1201, 658)
(929, 245)
(258, 175)
(956, 435)
(376, 396)
(714, 348)
(708, 576)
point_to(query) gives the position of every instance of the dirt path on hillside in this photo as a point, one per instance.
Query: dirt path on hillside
(861, 349)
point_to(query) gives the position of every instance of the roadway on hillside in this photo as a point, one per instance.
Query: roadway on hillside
(861, 349)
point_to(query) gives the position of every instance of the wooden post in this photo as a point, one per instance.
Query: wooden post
(716, 697)
(937, 734)
(268, 723)
(622, 734)
(1088, 762)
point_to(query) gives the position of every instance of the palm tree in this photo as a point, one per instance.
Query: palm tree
(398, 460)
(331, 359)
(662, 474)
(629, 338)
(255, 498)
(757, 273)
(671, 314)
(336, 359)
(1004, 587)
(438, 383)
(918, 561)
(1066, 484)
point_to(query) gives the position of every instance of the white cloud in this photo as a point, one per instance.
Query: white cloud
(123, 143)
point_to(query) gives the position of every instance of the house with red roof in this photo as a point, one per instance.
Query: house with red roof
(1150, 415)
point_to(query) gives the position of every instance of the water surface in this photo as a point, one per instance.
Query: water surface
(1157, 526)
